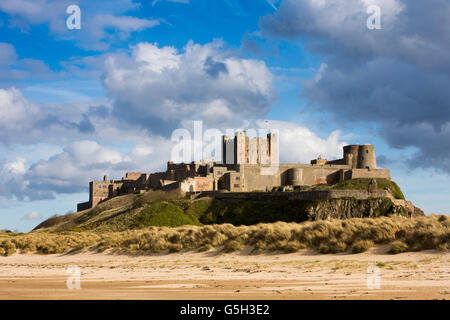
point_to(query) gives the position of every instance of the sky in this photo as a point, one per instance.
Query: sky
(105, 98)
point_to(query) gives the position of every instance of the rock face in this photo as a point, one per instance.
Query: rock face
(352, 208)
(245, 212)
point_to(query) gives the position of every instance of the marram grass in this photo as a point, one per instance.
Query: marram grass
(353, 235)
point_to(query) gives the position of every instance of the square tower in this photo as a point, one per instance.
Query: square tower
(227, 150)
(240, 148)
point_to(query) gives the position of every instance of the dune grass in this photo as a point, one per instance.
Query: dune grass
(351, 235)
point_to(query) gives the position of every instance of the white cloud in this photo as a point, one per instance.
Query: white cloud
(158, 86)
(84, 161)
(298, 144)
(16, 111)
(80, 162)
(33, 215)
(12, 181)
(99, 34)
(23, 121)
(89, 152)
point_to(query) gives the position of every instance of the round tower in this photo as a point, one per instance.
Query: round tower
(366, 158)
(295, 176)
(351, 155)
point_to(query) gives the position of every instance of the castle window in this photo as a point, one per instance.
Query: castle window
(367, 151)
(236, 185)
(238, 178)
(219, 172)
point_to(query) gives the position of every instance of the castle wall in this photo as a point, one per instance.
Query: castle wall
(305, 175)
(203, 183)
(338, 162)
(114, 188)
(132, 175)
(196, 184)
(155, 178)
(375, 173)
(83, 206)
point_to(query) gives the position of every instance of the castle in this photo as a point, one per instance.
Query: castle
(248, 165)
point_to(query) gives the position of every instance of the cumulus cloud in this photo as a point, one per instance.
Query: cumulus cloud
(33, 215)
(397, 77)
(85, 160)
(23, 121)
(16, 111)
(66, 172)
(13, 183)
(158, 86)
(70, 170)
(298, 144)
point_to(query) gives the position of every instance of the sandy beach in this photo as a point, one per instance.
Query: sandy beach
(212, 275)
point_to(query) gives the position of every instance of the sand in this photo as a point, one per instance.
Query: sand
(211, 275)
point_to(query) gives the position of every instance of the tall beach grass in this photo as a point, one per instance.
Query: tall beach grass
(353, 235)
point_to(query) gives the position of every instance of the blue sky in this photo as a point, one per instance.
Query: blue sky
(76, 104)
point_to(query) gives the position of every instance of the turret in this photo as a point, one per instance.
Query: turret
(366, 157)
(351, 155)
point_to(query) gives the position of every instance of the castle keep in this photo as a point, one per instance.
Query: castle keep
(248, 165)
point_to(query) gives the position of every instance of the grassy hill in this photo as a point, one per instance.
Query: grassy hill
(157, 208)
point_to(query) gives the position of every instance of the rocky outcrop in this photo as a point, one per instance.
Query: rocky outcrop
(353, 208)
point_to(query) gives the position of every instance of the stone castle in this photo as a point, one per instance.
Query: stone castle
(248, 165)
